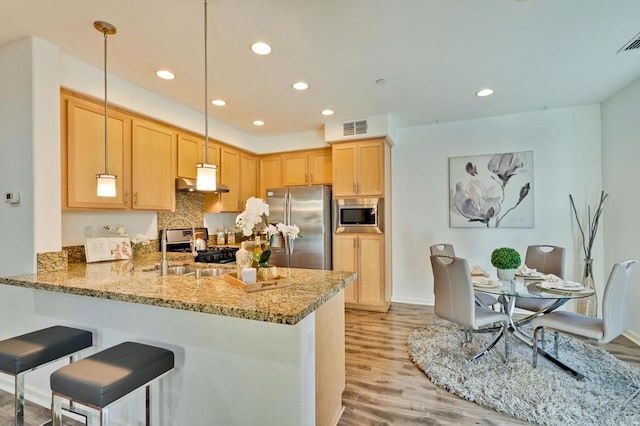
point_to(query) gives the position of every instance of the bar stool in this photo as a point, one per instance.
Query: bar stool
(107, 376)
(27, 352)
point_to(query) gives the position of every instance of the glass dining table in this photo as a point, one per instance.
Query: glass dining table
(556, 293)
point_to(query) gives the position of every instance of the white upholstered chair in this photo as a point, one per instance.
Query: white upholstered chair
(455, 302)
(615, 316)
(548, 260)
(484, 299)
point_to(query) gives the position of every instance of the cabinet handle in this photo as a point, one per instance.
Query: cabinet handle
(135, 198)
(126, 197)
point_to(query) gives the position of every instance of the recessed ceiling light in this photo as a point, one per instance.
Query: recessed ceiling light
(300, 85)
(258, 123)
(260, 48)
(327, 112)
(165, 74)
(218, 102)
(484, 92)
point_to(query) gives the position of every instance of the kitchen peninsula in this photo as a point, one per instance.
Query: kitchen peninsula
(270, 357)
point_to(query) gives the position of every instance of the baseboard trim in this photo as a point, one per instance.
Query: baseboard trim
(634, 337)
(414, 301)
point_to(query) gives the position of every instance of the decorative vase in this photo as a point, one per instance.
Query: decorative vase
(276, 241)
(588, 305)
(244, 259)
(506, 274)
(267, 273)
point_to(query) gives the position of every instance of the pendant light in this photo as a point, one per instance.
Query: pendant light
(205, 172)
(106, 182)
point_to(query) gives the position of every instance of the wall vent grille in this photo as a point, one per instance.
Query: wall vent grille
(632, 44)
(353, 128)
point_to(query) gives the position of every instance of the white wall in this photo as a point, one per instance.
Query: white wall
(292, 142)
(620, 153)
(17, 245)
(566, 145)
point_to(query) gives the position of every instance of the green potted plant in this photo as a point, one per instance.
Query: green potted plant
(506, 259)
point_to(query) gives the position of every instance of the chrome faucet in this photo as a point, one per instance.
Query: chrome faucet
(164, 264)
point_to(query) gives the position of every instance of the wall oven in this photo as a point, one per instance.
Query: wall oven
(358, 215)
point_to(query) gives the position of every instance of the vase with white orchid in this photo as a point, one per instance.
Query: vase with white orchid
(254, 219)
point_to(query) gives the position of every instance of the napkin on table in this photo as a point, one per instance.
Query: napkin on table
(525, 270)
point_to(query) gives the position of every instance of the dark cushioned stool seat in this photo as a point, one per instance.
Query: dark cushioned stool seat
(112, 373)
(22, 353)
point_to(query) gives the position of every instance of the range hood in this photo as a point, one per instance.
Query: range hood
(186, 184)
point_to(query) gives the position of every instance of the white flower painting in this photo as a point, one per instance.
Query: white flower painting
(491, 191)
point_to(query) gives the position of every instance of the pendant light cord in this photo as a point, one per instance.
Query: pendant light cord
(106, 126)
(206, 103)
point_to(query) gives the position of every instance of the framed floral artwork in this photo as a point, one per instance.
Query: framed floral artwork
(491, 191)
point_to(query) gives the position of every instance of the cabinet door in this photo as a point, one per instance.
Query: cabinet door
(188, 155)
(345, 259)
(320, 172)
(270, 174)
(370, 169)
(152, 166)
(230, 176)
(248, 178)
(371, 270)
(344, 169)
(85, 155)
(295, 169)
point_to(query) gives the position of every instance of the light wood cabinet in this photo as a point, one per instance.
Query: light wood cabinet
(307, 168)
(248, 178)
(188, 155)
(238, 170)
(270, 174)
(152, 166)
(364, 254)
(358, 169)
(83, 154)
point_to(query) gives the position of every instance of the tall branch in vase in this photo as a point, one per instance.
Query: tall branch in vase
(591, 226)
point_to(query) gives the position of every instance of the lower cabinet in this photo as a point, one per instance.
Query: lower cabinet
(364, 254)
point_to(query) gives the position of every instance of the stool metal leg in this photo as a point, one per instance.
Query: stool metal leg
(19, 398)
(148, 405)
(56, 410)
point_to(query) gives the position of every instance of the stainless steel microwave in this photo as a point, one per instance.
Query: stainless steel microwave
(358, 215)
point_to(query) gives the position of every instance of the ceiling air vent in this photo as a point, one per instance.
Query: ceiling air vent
(353, 128)
(632, 44)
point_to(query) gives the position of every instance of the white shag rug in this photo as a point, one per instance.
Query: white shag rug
(545, 395)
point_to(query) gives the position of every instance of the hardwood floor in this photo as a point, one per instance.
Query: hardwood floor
(383, 386)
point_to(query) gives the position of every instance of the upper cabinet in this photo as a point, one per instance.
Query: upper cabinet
(270, 174)
(152, 166)
(83, 154)
(358, 169)
(238, 171)
(142, 155)
(307, 168)
(188, 155)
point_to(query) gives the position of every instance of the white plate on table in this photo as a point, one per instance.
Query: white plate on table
(570, 286)
(535, 276)
(486, 284)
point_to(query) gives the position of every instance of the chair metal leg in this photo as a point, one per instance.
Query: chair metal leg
(495, 340)
(506, 343)
(535, 344)
(555, 342)
(19, 398)
(56, 410)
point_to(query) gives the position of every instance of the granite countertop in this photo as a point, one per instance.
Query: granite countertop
(132, 281)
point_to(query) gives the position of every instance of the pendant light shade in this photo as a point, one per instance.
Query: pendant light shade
(106, 185)
(106, 182)
(206, 177)
(205, 172)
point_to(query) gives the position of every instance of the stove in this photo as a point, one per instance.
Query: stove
(217, 255)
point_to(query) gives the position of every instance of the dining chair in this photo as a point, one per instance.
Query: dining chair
(455, 302)
(615, 315)
(483, 299)
(546, 259)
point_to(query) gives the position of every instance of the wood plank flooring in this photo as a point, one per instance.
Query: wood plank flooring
(383, 386)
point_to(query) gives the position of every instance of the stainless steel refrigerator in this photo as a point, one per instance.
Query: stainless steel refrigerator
(308, 207)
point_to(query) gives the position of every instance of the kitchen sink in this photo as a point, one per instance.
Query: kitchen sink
(191, 271)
